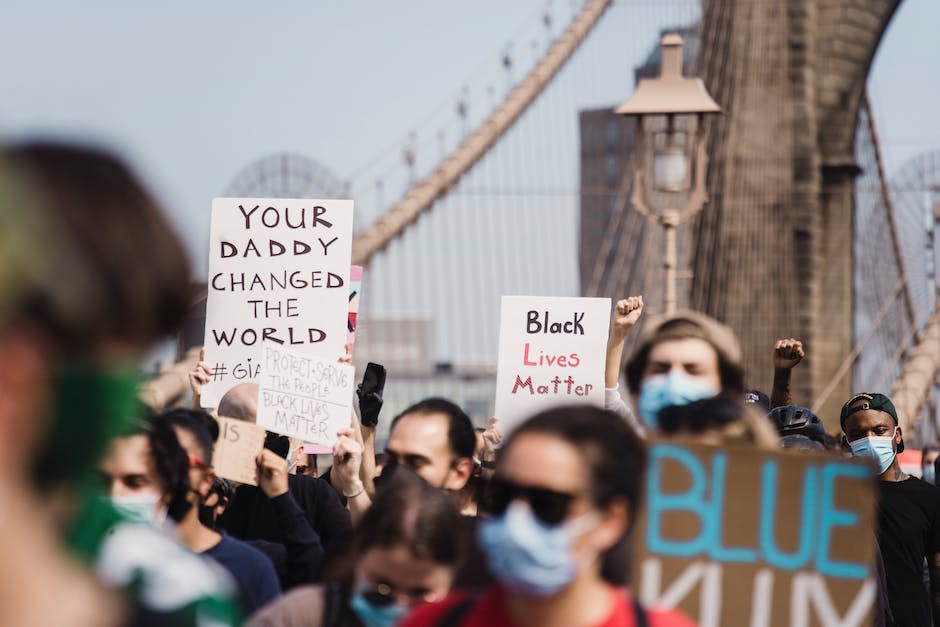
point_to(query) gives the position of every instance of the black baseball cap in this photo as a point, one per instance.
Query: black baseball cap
(872, 400)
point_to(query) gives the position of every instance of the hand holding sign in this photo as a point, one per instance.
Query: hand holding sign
(347, 458)
(235, 451)
(272, 473)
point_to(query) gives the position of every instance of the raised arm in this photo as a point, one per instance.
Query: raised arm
(626, 312)
(787, 354)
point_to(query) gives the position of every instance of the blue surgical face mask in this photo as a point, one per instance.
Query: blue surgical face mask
(528, 556)
(930, 475)
(373, 615)
(140, 508)
(879, 448)
(291, 452)
(666, 390)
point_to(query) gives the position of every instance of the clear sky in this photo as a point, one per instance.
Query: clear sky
(192, 92)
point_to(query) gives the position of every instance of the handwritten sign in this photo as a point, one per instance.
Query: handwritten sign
(278, 273)
(304, 397)
(235, 451)
(551, 351)
(741, 536)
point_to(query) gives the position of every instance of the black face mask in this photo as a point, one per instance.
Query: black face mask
(207, 516)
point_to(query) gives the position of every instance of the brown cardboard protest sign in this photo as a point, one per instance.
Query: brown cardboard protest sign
(742, 536)
(235, 451)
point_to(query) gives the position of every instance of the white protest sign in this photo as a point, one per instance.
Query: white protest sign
(278, 272)
(304, 397)
(235, 451)
(551, 352)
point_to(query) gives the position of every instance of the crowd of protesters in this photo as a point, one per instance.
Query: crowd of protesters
(113, 515)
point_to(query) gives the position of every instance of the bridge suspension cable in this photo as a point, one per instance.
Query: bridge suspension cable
(419, 197)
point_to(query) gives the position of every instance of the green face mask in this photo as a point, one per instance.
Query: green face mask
(91, 406)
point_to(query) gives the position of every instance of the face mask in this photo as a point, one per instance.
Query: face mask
(140, 508)
(673, 389)
(930, 474)
(290, 458)
(528, 556)
(879, 448)
(91, 407)
(375, 615)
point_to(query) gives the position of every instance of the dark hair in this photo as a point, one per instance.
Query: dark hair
(114, 269)
(204, 428)
(929, 448)
(691, 325)
(460, 433)
(614, 454)
(731, 375)
(408, 511)
(171, 464)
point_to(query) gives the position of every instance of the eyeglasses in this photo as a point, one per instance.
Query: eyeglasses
(549, 506)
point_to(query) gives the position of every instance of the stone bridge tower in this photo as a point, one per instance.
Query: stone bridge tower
(772, 252)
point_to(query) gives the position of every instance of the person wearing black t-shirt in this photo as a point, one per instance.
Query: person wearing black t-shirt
(908, 511)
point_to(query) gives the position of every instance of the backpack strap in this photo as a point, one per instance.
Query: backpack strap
(456, 613)
(642, 619)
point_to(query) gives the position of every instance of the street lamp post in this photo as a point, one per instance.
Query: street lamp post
(670, 159)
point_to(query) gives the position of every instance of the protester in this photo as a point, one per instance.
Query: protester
(687, 357)
(252, 516)
(484, 462)
(626, 313)
(252, 570)
(929, 455)
(435, 438)
(90, 275)
(799, 428)
(567, 487)
(908, 510)
(405, 551)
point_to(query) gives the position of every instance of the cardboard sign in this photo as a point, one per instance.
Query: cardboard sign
(741, 536)
(304, 397)
(551, 352)
(235, 451)
(278, 272)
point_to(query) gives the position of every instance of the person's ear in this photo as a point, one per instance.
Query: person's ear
(459, 474)
(614, 524)
(205, 484)
(899, 439)
(24, 382)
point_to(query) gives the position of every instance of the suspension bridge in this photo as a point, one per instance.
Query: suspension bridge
(520, 185)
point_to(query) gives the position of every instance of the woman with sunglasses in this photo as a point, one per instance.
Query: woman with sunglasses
(566, 487)
(406, 550)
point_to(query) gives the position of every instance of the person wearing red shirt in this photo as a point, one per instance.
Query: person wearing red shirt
(567, 484)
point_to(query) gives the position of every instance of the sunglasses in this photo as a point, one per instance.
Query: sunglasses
(549, 506)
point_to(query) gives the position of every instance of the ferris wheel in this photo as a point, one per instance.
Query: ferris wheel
(286, 175)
